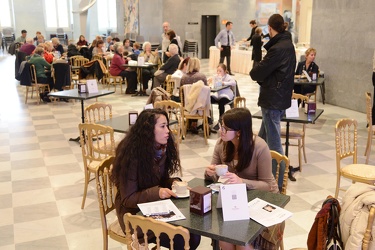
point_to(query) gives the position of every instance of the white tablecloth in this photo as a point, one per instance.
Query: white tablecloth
(240, 61)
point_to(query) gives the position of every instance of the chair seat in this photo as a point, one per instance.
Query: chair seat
(93, 165)
(293, 133)
(115, 228)
(359, 171)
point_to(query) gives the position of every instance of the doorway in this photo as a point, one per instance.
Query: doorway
(209, 31)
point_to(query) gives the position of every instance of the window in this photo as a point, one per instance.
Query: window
(107, 16)
(5, 13)
(56, 13)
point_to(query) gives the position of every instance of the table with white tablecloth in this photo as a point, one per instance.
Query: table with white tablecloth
(240, 61)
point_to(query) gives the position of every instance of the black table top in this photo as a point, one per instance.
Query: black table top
(119, 124)
(303, 118)
(212, 224)
(73, 94)
(304, 81)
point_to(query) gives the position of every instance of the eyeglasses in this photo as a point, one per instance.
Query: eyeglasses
(224, 129)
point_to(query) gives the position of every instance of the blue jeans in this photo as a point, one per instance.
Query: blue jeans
(270, 132)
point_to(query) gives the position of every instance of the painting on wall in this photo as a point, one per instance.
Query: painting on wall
(131, 19)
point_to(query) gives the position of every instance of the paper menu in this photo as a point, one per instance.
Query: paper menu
(233, 199)
(92, 86)
(266, 213)
(292, 111)
(163, 210)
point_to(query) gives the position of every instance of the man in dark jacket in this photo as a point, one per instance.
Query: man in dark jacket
(275, 75)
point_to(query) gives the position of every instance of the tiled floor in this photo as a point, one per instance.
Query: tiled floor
(41, 177)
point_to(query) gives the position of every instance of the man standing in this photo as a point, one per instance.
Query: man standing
(226, 39)
(275, 75)
(165, 41)
(253, 25)
(22, 38)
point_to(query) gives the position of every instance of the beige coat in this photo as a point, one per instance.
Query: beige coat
(197, 96)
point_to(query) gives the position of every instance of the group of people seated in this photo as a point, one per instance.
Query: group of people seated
(143, 171)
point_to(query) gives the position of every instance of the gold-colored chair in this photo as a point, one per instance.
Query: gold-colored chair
(157, 227)
(77, 62)
(281, 158)
(97, 143)
(109, 79)
(346, 147)
(239, 102)
(367, 237)
(174, 110)
(298, 133)
(35, 86)
(169, 84)
(106, 197)
(98, 111)
(370, 128)
(186, 116)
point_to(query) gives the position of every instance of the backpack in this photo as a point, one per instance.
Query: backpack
(158, 94)
(325, 232)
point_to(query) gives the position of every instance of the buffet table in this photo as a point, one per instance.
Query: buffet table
(240, 61)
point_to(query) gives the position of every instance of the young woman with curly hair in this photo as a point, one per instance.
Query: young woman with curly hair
(145, 160)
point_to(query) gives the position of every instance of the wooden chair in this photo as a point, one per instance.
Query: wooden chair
(97, 143)
(239, 102)
(35, 86)
(77, 61)
(281, 158)
(346, 147)
(370, 128)
(201, 115)
(367, 237)
(98, 111)
(157, 227)
(174, 110)
(106, 197)
(109, 79)
(298, 133)
(169, 84)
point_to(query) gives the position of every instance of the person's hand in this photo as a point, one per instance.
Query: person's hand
(221, 48)
(165, 193)
(168, 53)
(232, 178)
(210, 170)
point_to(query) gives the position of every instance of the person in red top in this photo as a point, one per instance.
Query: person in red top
(82, 41)
(117, 68)
(47, 56)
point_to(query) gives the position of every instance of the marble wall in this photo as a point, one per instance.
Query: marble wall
(343, 33)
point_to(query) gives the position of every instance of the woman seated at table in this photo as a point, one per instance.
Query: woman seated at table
(145, 160)
(224, 96)
(169, 67)
(310, 67)
(192, 73)
(150, 57)
(82, 41)
(41, 66)
(46, 54)
(117, 68)
(127, 46)
(247, 156)
(57, 46)
(99, 49)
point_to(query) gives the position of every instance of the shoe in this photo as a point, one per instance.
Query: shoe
(210, 121)
(194, 130)
(46, 99)
(230, 73)
(130, 92)
(216, 127)
(290, 174)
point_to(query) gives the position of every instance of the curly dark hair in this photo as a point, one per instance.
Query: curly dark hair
(239, 119)
(138, 147)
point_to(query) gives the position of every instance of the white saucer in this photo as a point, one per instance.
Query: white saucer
(180, 196)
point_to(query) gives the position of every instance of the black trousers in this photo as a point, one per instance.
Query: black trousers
(147, 74)
(131, 78)
(222, 102)
(226, 52)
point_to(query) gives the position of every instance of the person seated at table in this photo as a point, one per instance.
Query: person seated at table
(136, 47)
(40, 67)
(173, 40)
(224, 96)
(117, 68)
(150, 57)
(47, 55)
(28, 47)
(247, 156)
(176, 76)
(192, 73)
(82, 41)
(311, 68)
(36, 36)
(99, 48)
(73, 50)
(22, 38)
(40, 39)
(127, 46)
(57, 46)
(169, 67)
(145, 161)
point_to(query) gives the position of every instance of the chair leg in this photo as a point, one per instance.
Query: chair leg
(87, 178)
(368, 148)
(303, 147)
(299, 155)
(205, 130)
(27, 93)
(337, 185)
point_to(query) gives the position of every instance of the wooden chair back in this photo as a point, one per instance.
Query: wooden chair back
(157, 227)
(98, 111)
(239, 102)
(174, 111)
(279, 159)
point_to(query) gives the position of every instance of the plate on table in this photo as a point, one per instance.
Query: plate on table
(180, 196)
(214, 187)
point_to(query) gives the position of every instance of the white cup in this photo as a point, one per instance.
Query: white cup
(180, 187)
(221, 169)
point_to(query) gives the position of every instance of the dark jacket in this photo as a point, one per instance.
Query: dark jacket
(61, 75)
(275, 73)
(171, 64)
(25, 76)
(313, 68)
(256, 42)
